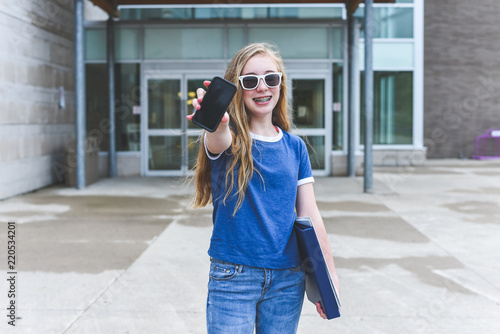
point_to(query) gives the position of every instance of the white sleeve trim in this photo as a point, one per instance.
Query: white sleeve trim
(306, 180)
(210, 155)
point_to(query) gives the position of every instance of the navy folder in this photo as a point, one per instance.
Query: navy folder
(319, 285)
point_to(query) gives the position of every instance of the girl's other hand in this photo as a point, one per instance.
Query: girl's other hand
(320, 310)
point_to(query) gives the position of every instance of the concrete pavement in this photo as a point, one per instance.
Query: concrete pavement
(127, 255)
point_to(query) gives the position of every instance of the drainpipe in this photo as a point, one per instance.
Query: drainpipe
(368, 170)
(353, 84)
(81, 127)
(110, 40)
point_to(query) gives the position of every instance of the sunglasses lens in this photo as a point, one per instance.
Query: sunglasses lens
(250, 82)
(272, 80)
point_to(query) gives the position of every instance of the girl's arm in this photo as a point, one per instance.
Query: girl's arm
(217, 141)
(220, 140)
(306, 207)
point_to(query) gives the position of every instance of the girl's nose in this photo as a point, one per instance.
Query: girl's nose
(261, 85)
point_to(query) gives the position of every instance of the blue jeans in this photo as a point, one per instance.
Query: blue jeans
(241, 298)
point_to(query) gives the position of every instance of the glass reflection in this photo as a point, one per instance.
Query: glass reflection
(309, 103)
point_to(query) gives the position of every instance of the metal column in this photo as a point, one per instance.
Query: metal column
(353, 84)
(81, 127)
(368, 170)
(110, 40)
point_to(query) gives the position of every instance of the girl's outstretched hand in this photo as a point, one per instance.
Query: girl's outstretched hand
(200, 93)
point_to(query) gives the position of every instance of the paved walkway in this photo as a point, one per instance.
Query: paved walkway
(126, 255)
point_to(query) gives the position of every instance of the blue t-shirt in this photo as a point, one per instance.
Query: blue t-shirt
(260, 233)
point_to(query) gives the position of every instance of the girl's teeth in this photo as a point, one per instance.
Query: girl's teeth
(264, 99)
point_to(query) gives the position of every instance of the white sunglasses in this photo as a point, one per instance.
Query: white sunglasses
(249, 82)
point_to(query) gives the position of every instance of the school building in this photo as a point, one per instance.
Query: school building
(435, 81)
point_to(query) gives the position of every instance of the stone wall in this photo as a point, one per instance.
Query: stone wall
(404, 159)
(462, 74)
(36, 59)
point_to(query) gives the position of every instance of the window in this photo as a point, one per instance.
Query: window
(97, 104)
(307, 42)
(189, 43)
(389, 54)
(338, 108)
(390, 22)
(126, 44)
(235, 40)
(222, 12)
(392, 108)
(127, 107)
(127, 101)
(95, 44)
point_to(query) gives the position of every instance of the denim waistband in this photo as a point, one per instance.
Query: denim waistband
(237, 267)
(223, 262)
(300, 266)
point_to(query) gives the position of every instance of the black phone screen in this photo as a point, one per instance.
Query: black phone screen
(219, 95)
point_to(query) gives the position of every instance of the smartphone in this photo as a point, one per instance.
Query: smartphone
(214, 104)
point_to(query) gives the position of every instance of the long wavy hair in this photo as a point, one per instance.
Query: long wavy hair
(241, 161)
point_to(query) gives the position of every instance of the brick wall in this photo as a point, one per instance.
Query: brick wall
(36, 58)
(462, 74)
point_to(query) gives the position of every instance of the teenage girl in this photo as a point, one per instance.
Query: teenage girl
(258, 177)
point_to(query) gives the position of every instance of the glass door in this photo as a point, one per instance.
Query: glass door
(312, 117)
(165, 124)
(171, 144)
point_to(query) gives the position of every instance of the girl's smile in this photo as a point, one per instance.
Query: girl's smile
(262, 100)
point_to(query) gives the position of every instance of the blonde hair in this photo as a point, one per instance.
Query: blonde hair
(241, 146)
